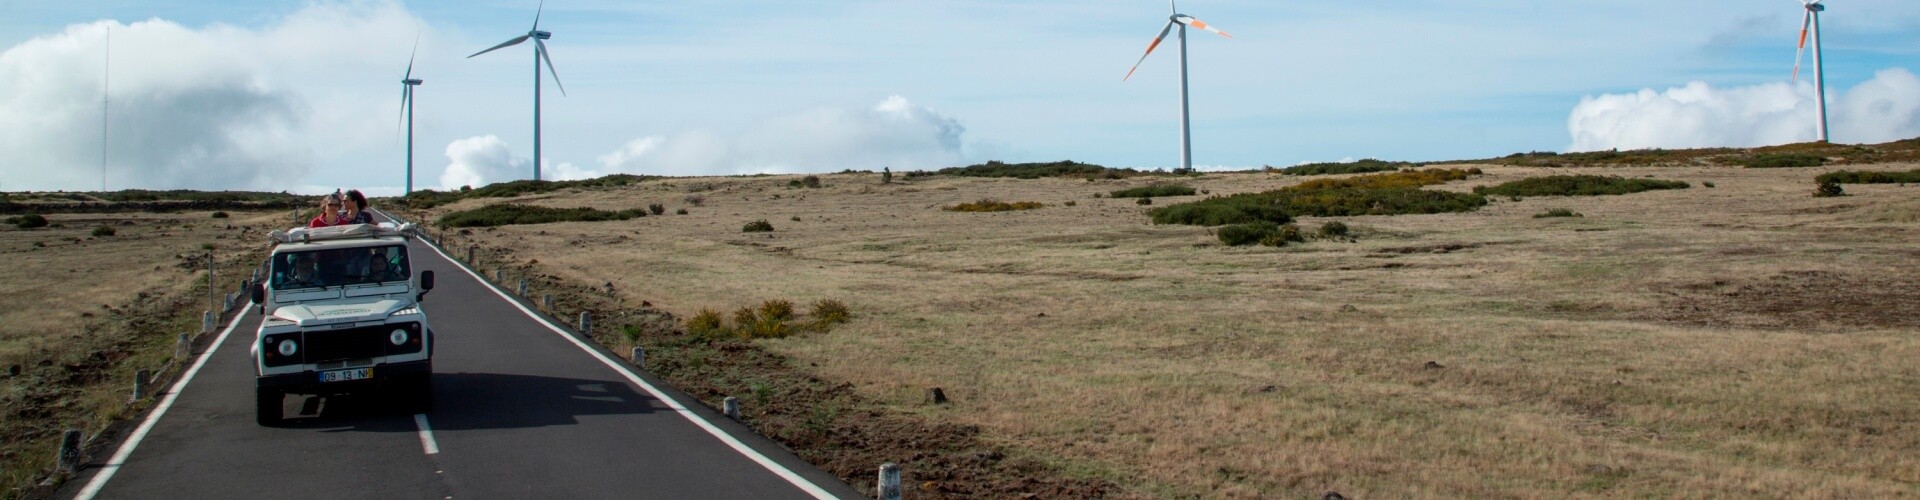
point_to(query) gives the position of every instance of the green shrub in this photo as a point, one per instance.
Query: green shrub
(1557, 212)
(631, 332)
(759, 226)
(680, 212)
(1353, 201)
(29, 221)
(1333, 229)
(103, 231)
(811, 181)
(743, 318)
(1708, 184)
(1401, 179)
(220, 215)
(1289, 233)
(1143, 201)
(1221, 210)
(1828, 189)
(509, 214)
(1577, 185)
(1853, 177)
(992, 205)
(1070, 203)
(1247, 234)
(1358, 167)
(428, 198)
(656, 208)
(1152, 190)
(1783, 160)
(828, 312)
(776, 309)
(1066, 168)
(706, 323)
(767, 328)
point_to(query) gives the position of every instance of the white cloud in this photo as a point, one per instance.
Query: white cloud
(478, 161)
(1882, 109)
(894, 133)
(216, 107)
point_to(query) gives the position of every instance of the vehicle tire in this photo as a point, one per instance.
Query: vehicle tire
(267, 406)
(423, 393)
(413, 393)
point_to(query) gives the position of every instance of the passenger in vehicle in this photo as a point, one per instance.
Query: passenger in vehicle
(356, 205)
(304, 272)
(329, 212)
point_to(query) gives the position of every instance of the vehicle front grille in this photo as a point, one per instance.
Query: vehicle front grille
(359, 343)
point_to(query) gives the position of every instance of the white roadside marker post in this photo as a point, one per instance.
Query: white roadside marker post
(889, 481)
(731, 407)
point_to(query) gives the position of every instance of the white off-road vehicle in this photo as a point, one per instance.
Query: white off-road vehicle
(342, 315)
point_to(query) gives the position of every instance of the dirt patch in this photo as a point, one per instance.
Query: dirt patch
(826, 423)
(1435, 248)
(1813, 300)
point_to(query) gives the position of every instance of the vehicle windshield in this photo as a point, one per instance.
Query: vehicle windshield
(340, 267)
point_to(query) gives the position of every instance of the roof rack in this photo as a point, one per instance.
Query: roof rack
(346, 232)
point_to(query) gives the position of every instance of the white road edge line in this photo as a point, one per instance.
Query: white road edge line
(133, 441)
(625, 371)
(426, 434)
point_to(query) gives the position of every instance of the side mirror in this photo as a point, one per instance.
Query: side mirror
(259, 292)
(426, 280)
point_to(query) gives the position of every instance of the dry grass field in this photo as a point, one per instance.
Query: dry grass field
(1742, 340)
(83, 312)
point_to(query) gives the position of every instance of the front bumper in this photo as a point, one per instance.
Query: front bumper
(308, 382)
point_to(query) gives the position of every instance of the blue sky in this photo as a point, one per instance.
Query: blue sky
(746, 86)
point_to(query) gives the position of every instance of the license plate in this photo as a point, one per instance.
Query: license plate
(345, 375)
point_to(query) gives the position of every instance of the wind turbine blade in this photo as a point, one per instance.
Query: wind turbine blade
(1805, 21)
(536, 15)
(1170, 7)
(406, 94)
(509, 43)
(542, 47)
(1198, 24)
(1150, 47)
(415, 52)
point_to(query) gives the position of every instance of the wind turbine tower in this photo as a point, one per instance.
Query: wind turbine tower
(1812, 21)
(539, 54)
(1186, 129)
(408, 82)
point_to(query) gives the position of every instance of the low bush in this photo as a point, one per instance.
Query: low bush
(759, 226)
(811, 181)
(1402, 179)
(103, 231)
(1065, 168)
(28, 221)
(220, 215)
(1221, 210)
(1288, 233)
(1577, 185)
(828, 312)
(1557, 212)
(695, 199)
(428, 198)
(1334, 229)
(706, 323)
(1070, 203)
(509, 214)
(1248, 233)
(777, 309)
(1853, 177)
(992, 205)
(656, 208)
(1143, 201)
(1708, 184)
(1783, 160)
(1828, 189)
(1359, 167)
(1353, 201)
(680, 212)
(1153, 190)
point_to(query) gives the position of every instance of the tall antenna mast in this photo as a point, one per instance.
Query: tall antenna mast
(105, 80)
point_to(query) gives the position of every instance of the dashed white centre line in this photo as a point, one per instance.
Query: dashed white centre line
(426, 434)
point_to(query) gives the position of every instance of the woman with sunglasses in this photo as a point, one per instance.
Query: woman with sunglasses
(329, 212)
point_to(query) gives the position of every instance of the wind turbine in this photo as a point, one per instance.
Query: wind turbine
(1812, 20)
(407, 83)
(539, 54)
(1186, 131)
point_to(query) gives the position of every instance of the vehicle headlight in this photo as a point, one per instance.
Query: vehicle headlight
(288, 347)
(398, 337)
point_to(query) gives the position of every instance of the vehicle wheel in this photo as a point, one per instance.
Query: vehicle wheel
(423, 393)
(267, 406)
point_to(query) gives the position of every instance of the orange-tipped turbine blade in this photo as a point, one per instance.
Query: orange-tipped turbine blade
(1150, 47)
(1198, 24)
(1802, 51)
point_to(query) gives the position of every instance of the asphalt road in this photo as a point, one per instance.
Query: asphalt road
(520, 411)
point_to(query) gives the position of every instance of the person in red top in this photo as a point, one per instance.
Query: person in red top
(329, 212)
